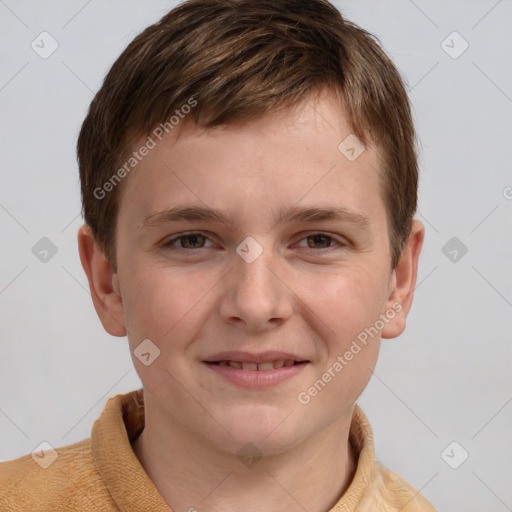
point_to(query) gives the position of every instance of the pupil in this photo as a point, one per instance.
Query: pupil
(191, 239)
(319, 238)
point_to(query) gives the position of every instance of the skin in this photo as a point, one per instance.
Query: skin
(302, 294)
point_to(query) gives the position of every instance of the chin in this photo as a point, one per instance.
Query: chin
(270, 431)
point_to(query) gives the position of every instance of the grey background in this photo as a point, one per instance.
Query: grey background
(447, 378)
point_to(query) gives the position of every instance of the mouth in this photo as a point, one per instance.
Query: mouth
(260, 367)
(256, 370)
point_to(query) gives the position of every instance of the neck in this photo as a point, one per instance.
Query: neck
(191, 474)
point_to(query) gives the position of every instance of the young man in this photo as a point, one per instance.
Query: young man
(249, 181)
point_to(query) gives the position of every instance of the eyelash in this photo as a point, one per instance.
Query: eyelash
(169, 243)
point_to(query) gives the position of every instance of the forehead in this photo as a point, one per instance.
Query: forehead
(302, 153)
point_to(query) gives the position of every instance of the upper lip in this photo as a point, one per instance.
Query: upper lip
(251, 357)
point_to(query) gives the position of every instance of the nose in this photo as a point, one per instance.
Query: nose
(256, 295)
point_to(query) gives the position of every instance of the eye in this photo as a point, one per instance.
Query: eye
(320, 239)
(188, 241)
(194, 241)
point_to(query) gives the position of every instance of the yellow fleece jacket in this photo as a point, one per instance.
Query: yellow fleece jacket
(103, 474)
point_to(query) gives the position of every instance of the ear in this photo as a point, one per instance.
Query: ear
(403, 282)
(103, 283)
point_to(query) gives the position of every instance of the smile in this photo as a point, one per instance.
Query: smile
(262, 367)
(257, 375)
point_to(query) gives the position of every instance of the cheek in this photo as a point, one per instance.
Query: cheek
(349, 301)
(150, 307)
(160, 308)
(164, 304)
(347, 307)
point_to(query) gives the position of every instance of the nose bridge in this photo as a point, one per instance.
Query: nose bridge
(255, 273)
(255, 294)
(253, 276)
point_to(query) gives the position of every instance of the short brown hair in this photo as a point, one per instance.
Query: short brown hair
(241, 59)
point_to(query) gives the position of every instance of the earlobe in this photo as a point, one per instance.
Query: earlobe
(403, 282)
(103, 283)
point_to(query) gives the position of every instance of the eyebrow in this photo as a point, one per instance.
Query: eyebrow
(294, 214)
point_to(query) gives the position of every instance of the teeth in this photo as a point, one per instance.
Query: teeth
(269, 365)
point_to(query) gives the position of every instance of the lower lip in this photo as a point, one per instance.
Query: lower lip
(257, 378)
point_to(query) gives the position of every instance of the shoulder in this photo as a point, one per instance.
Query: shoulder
(56, 480)
(396, 492)
(375, 487)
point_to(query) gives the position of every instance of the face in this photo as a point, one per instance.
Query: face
(271, 279)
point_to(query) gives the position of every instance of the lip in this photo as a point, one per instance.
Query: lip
(248, 357)
(256, 379)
